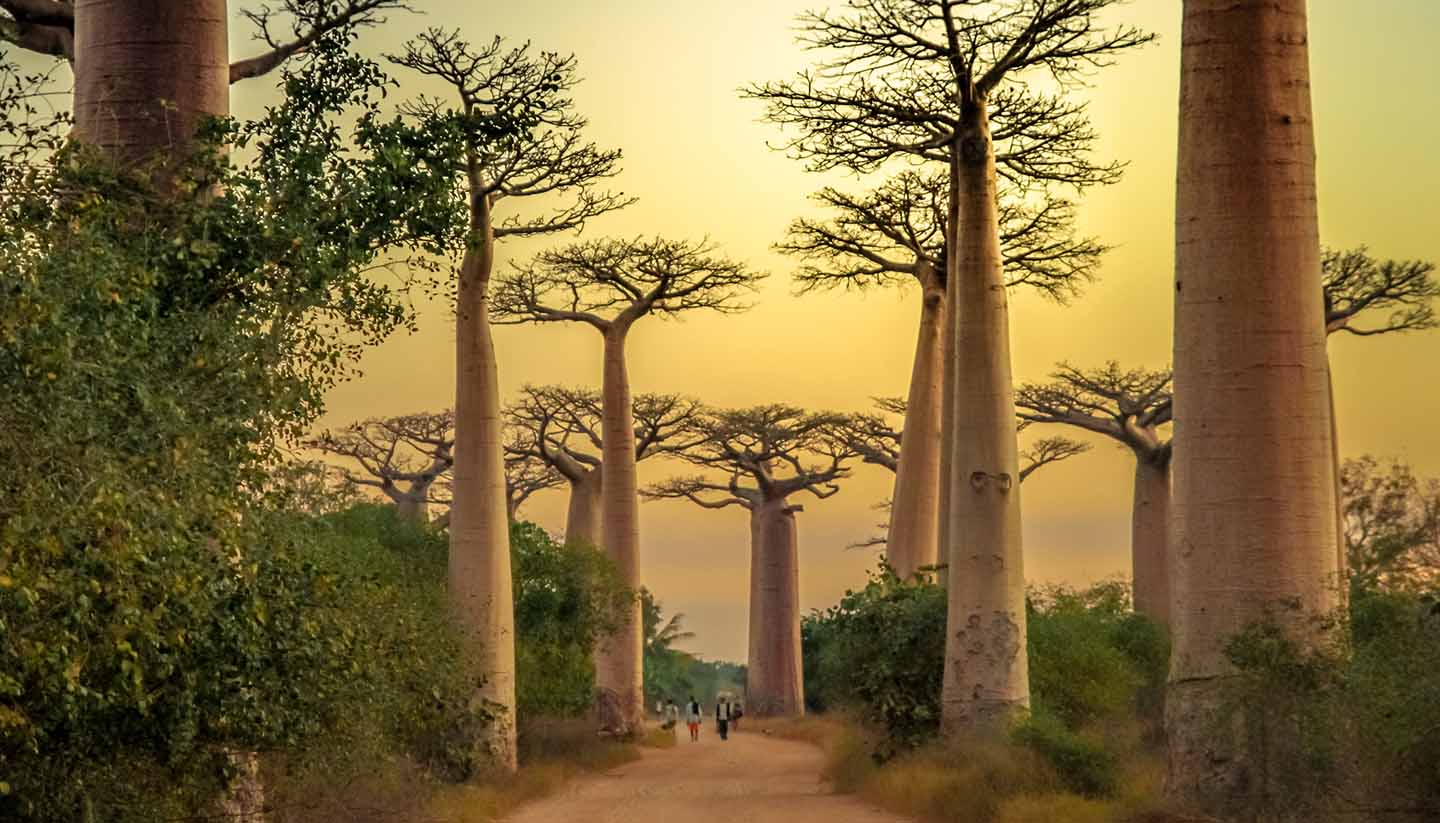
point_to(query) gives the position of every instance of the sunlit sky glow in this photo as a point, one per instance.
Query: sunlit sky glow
(660, 83)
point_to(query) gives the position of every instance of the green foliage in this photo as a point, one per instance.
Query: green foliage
(566, 596)
(1093, 665)
(1092, 658)
(159, 336)
(1392, 527)
(880, 650)
(1082, 760)
(1350, 724)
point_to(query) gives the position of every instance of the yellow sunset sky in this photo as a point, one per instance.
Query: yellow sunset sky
(660, 83)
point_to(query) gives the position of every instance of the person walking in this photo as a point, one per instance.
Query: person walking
(736, 712)
(692, 718)
(672, 717)
(722, 717)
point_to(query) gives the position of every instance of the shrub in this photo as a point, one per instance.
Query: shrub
(1351, 724)
(1082, 760)
(880, 650)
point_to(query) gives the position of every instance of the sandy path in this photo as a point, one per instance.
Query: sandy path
(750, 778)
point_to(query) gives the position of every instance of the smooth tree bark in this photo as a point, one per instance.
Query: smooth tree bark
(1129, 407)
(562, 428)
(542, 153)
(878, 443)
(896, 235)
(149, 72)
(610, 285)
(402, 457)
(1253, 502)
(769, 454)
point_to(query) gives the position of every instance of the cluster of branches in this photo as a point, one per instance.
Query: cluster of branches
(879, 238)
(876, 440)
(612, 281)
(410, 459)
(1127, 406)
(521, 133)
(895, 69)
(560, 427)
(1392, 526)
(766, 453)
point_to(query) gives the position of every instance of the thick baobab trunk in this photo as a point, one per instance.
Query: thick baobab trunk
(947, 427)
(480, 586)
(1254, 499)
(619, 663)
(774, 680)
(147, 72)
(915, 509)
(986, 671)
(582, 518)
(1150, 537)
(413, 509)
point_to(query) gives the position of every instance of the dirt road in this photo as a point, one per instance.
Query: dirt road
(750, 778)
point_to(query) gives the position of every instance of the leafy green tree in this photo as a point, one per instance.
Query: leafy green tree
(566, 597)
(667, 669)
(156, 348)
(1392, 527)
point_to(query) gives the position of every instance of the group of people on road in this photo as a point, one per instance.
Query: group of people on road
(727, 716)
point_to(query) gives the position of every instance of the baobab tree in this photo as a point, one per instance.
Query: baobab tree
(402, 457)
(1253, 498)
(562, 428)
(925, 77)
(1393, 297)
(610, 285)
(148, 72)
(1129, 407)
(547, 156)
(895, 236)
(878, 442)
(757, 459)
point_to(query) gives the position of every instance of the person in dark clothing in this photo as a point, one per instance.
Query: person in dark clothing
(693, 716)
(722, 717)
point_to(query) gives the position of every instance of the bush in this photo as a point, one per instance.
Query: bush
(881, 650)
(1350, 725)
(1082, 761)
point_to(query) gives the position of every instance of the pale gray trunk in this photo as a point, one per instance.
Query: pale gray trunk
(1254, 497)
(774, 684)
(986, 670)
(1149, 538)
(479, 574)
(582, 517)
(619, 673)
(913, 539)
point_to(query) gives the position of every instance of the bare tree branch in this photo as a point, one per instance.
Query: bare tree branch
(520, 129)
(41, 26)
(561, 427)
(888, 82)
(401, 456)
(765, 453)
(604, 282)
(1399, 295)
(308, 21)
(1126, 406)
(878, 239)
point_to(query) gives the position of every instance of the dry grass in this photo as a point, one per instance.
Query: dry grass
(975, 783)
(552, 752)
